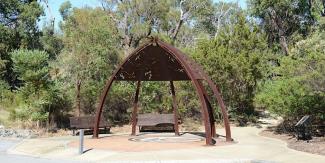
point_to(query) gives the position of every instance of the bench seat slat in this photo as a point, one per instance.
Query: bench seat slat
(87, 122)
(155, 119)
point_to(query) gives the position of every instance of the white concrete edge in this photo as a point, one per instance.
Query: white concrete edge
(187, 161)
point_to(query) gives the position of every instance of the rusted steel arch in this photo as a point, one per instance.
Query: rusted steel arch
(212, 86)
(195, 82)
(222, 105)
(155, 61)
(219, 100)
(106, 89)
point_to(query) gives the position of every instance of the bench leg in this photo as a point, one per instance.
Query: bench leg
(106, 130)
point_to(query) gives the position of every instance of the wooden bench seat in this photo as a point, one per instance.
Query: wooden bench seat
(87, 122)
(156, 122)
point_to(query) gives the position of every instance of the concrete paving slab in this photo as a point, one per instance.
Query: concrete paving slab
(250, 147)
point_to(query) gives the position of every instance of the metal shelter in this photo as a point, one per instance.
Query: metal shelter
(160, 61)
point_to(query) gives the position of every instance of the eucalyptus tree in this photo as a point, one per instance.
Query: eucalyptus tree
(215, 17)
(138, 19)
(89, 55)
(283, 19)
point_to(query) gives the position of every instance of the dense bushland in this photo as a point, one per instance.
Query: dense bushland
(268, 56)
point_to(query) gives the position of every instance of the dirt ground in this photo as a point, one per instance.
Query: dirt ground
(315, 146)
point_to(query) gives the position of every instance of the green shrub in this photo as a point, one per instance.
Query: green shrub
(39, 98)
(235, 60)
(291, 98)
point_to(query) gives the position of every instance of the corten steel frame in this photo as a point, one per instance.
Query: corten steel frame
(159, 61)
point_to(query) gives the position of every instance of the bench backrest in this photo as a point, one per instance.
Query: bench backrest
(305, 120)
(155, 119)
(86, 122)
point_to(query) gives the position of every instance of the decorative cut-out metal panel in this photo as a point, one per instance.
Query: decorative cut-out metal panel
(152, 64)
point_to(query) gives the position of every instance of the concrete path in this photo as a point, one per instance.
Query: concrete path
(250, 148)
(10, 158)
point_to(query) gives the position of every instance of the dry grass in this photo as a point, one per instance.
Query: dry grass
(121, 129)
(4, 115)
(191, 125)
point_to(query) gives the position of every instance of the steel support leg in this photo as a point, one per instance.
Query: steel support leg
(135, 109)
(172, 87)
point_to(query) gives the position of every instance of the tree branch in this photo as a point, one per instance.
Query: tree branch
(52, 18)
(222, 14)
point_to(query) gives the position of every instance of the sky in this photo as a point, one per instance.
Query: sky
(55, 5)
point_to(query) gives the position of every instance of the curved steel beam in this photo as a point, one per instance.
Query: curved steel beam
(107, 88)
(100, 106)
(210, 109)
(205, 114)
(222, 106)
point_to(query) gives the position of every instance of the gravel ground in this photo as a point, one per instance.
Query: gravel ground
(315, 146)
(11, 133)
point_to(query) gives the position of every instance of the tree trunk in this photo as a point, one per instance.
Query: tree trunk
(52, 18)
(218, 28)
(50, 119)
(284, 45)
(323, 12)
(278, 26)
(178, 27)
(78, 97)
